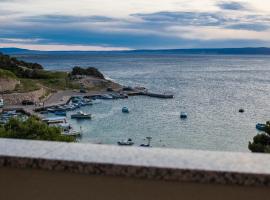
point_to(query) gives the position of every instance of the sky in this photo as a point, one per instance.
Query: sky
(133, 24)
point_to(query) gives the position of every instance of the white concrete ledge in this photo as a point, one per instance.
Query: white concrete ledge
(158, 164)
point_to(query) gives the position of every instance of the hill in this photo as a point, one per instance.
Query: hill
(206, 51)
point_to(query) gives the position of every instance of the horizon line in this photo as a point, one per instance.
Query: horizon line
(132, 50)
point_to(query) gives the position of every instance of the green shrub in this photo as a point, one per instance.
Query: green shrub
(32, 129)
(7, 74)
(261, 142)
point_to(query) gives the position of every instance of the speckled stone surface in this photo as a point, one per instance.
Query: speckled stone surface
(148, 163)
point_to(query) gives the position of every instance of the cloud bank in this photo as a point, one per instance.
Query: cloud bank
(133, 24)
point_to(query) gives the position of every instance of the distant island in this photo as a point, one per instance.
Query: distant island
(197, 51)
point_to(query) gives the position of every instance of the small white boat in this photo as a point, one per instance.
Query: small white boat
(183, 115)
(127, 142)
(1, 103)
(81, 115)
(148, 142)
(71, 133)
(125, 110)
(55, 120)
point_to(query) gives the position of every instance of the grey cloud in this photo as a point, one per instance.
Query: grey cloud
(185, 18)
(249, 26)
(66, 19)
(231, 5)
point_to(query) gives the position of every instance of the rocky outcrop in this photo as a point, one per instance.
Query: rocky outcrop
(17, 98)
(90, 71)
(7, 85)
(96, 84)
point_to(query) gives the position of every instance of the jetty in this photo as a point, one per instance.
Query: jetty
(162, 96)
(150, 94)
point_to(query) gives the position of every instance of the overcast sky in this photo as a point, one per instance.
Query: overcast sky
(133, 24)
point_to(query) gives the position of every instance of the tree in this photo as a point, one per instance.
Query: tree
(33, 129)
(261, 142)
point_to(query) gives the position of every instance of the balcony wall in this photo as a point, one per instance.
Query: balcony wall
(50, 170)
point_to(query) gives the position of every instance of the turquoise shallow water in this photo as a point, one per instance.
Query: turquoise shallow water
(211, 89)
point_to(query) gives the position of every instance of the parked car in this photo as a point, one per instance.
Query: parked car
(27, 102)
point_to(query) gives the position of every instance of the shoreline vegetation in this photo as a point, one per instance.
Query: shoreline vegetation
(261, 142)
(32, 129)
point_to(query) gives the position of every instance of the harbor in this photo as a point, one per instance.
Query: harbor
(63, 106)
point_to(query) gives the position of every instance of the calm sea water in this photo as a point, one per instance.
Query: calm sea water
(211, 89)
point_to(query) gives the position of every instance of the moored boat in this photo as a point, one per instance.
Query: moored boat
(183, 115)
(125, 110)
(1, 103)
(81, 115)
(127, 142)
(60, 113)
(261, 127)
(55, 120)
(71, 133)
(148, 142)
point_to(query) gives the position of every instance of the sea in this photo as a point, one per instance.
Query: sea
(209, 88)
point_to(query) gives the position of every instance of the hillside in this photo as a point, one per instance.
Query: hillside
(8, 81)
(206, 51)
(17, 76)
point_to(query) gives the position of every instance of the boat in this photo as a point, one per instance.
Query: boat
(44, 112)
(60, 113)
(106, 96)
(71, 133)
(261, 127)
(81, 115)
(148, 142)
(51, 110)
(125, 110)
(183, 115)
(1, 103)
(11, 113)
(96, 101)
(127, 142)
(55, 120)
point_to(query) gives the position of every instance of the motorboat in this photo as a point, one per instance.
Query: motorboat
(261, 127)
(125, 110)
(106, 96)
(60, 113)
(148, 142)
(127, 142)
(55, 120)
(71, 133)
(1, 103)
(51, 110)
(183, 115)
(81, 115)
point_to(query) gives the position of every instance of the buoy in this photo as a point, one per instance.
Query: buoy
(241, 110)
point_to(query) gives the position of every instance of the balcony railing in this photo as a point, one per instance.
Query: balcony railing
(51, 170)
